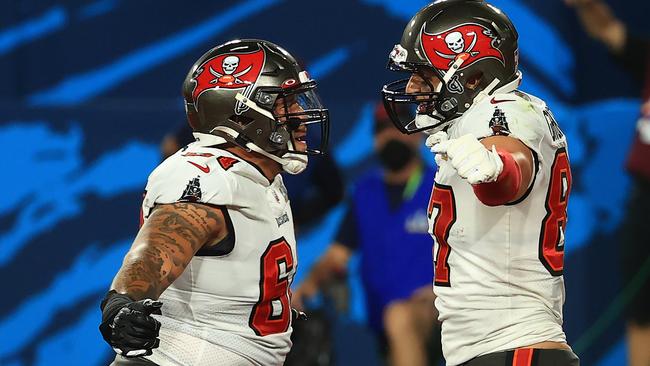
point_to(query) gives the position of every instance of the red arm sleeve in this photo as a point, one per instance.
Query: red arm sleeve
(505, 188)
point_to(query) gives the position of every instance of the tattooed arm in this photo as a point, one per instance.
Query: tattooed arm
(164, 247)
(166, 243)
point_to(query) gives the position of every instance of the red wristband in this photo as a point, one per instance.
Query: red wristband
(505, 188)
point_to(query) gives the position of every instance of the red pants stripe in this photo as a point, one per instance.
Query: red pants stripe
(523, 357)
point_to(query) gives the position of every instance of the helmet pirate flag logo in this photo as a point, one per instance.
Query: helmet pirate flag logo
(229, 71)
(473, 40)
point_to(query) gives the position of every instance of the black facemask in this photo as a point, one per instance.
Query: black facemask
(395, 155)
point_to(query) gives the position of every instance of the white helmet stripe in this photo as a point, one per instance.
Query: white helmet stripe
(453, 68)
(252, 105)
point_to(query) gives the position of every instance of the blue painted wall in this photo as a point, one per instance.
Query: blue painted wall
(88, 89)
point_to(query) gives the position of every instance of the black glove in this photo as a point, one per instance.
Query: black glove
(128, 326)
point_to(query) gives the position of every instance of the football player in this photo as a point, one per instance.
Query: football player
(215, 255)
(498, 209)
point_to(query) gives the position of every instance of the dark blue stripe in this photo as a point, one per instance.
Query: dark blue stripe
(82, 87)
(328, 62)
(91, 273)
(97, 8)
(33, 29)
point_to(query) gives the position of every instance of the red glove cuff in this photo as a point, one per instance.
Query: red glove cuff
(505, 188)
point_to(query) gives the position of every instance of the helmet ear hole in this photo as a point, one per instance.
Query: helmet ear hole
(474, 80)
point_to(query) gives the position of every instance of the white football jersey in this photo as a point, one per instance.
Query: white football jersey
(498, 270)
(231, 305)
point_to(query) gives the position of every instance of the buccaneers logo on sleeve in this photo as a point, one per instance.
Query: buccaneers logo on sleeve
(230, 71)
(475, 41)
(192, 192)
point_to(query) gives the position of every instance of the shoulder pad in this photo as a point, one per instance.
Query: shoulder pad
(515, 114)
(193, 175)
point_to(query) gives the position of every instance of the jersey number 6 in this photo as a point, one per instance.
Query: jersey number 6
(272, 313)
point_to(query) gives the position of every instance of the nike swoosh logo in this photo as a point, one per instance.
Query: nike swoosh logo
(496, 101)
(204, 169)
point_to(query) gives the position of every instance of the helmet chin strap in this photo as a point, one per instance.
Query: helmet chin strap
(291, 163)
(294, 163)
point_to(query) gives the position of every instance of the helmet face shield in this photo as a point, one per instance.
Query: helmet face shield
(300, 112)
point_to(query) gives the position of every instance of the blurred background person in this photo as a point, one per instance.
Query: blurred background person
(633, 53)
(386, 224)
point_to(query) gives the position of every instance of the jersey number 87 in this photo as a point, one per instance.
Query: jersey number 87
(551, 239)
